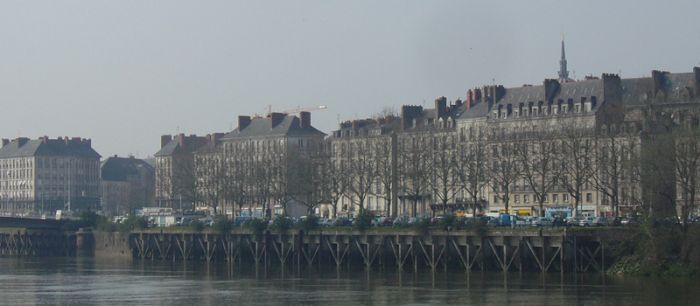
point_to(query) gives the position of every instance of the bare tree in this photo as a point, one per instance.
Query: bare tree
(261, 184)
(306, 179)
(239, 185)
(443, 179)
(687, 168)
(505, 170)
(472, 170)
(384, 151)
(614, 161)
(212, 180)
(334, 170)
(414, 166)
(184, 185)
(361, 172)
(539, 169)
(576, 161)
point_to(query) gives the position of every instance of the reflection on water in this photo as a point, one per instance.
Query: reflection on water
(71, 281)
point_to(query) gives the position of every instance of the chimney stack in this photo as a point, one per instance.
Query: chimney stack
(5, 142)
(441, 106)
(276, 118)
(181, 139)
(305, 119)
(243, 122)
(659, 78)
(165, 139)
(696, 72)
(214, 138)
(22, 140)
(551, 88)
(470, 98)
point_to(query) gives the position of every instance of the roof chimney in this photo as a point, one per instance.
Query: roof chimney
(659, 78)
(305, 119)
(22, 140)
(696, 83)
(441, 106)
(470, 98)
(165, 139)
(5, 142)
(276, 118)
(243, 122)
(181, 139)
(551, 88)
(214, 138)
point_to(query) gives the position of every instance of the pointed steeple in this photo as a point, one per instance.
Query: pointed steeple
(563, 72)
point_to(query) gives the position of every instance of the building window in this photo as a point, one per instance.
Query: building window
(565, 197)
(517, 198)
(555, 198)
(589, 197)
(495, 199)
(526, 198)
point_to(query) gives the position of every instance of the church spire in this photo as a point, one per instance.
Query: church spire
(563, 73)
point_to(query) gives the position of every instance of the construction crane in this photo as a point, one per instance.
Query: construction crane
(305, 109)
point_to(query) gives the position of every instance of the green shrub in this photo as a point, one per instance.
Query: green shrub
(309, 223)
(477, 225)
(447, 221)
(257, 226)
(222, 224)
(422, 225)
(197, 225)
(282, 224)
(363, 221)
(133, 223)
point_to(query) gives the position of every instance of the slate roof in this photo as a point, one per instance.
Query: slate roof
(633, 90)
(262, 127)
(479, 110)
(569, 90)
(192, 143)
(120, 168)
(48, 147)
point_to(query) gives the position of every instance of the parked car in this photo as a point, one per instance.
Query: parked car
(559, 221)
(399, 221)
(519, 221)
(586, 221)
(629, 221)
(600, 221)
(572, 221)
(341, 222)
(542, 221)
(386, 221)
(492, 221)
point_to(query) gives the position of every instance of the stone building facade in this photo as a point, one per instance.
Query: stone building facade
(175, 173)
(128, 184)
(40, 176)
(263, 155)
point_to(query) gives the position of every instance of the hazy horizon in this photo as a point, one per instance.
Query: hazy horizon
(125, 72)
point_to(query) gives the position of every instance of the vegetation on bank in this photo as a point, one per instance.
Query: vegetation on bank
(660, 249)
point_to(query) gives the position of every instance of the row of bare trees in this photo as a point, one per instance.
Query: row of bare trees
(437, 167)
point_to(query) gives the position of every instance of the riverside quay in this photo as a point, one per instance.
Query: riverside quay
(532, 249)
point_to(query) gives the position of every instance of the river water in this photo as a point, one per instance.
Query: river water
(88, 281)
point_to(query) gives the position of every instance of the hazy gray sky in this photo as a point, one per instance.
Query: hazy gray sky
(125, 72)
